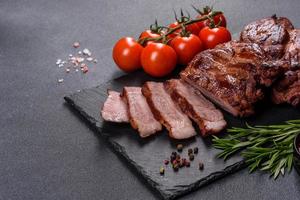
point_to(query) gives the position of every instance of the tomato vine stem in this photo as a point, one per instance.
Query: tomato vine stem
(142, 41)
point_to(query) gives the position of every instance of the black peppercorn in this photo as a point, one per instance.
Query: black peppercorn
(201, 166)
(172, 157)
(191, 157)
(195, 150)
(179, 147)
(190, 151)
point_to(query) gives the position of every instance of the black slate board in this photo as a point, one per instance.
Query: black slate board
(147, 155)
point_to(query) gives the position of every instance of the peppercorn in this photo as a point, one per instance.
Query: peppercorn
(162, 171)
(172, 157)
(190, 151)
(201, 166)
(191, 157)
(174, 153)
(166, 162)
(179, 147)
(195, 150)
(178, 157)
(175, 167)
(187, 164)
(174, 162)
(181, 164)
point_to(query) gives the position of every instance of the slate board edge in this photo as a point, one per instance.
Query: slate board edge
(167, 196)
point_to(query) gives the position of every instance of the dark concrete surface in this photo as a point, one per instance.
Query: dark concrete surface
(46, 150)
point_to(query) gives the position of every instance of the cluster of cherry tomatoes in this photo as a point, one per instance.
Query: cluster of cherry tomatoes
(158, 52)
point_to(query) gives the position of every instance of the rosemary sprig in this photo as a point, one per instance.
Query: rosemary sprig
(268, 148)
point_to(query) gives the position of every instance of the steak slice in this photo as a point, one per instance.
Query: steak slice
(114, 108)
(209, 119)
(270, 33)
(232, 75)
(287, 89)
(166, 112)
(140, 115)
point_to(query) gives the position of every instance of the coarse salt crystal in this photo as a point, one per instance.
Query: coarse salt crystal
(90, 59)
(70, 55)
(86, 52)
(76, 70)
(60, 80)
(76, 44)
(58, 61)
(95, 60)
(61, 65)
(79, 52)
(79, 59)
(67, 70)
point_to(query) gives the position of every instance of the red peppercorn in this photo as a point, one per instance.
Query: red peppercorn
(174, 162)
(187, 164)
(166, 162)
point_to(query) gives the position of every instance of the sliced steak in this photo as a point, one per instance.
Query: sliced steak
(140, 115)
(166, 112)
(287, 89)
(114, 108)
(270, 33)
(209, 119)
(232, 75)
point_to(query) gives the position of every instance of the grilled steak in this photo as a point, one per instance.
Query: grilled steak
(270, 33)
(292, 50)
(209, 119)
(287, 89)
(140, 115)
(166, 112)
(232, 75)
(114, 108)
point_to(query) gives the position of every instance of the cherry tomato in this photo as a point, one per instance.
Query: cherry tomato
(126, 54)
(214, 36)
(187, 47)
(216, 18)
(158, 59)
(148, 34)
(192, 28)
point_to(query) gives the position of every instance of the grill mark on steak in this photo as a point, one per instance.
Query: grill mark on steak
(209, 119)
(166, 112)
(114, 108)
(139, 112)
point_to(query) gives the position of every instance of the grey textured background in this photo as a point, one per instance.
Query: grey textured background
(46, 150)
